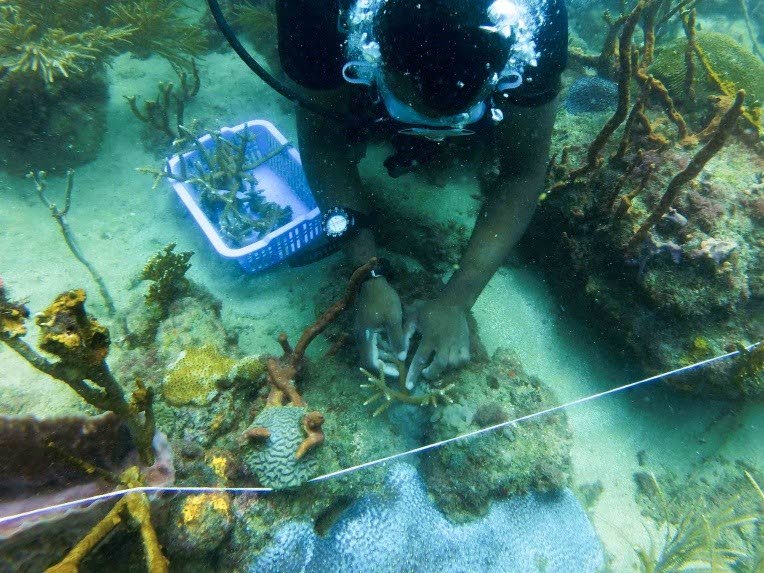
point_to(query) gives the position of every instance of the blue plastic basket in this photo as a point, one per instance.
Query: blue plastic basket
(281, 179)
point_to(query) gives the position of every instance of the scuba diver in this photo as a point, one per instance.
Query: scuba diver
(423, 71)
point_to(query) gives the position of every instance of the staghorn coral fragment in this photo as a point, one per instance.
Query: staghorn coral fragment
(169, 103)
(382, 392)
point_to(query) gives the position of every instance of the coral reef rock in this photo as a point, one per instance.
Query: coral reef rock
(533, 455)
(405, 532)
(198, 525)
(273, 459)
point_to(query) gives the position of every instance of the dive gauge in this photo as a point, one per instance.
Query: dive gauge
(337, 222)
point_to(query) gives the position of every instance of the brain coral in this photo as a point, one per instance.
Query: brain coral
(590, 95)
(733, 63)
(273, 460)
(403, 531)
(194, 377)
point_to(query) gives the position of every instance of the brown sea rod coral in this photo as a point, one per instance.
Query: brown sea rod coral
(278, 442)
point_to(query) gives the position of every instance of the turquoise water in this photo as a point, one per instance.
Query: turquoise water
(566, 481)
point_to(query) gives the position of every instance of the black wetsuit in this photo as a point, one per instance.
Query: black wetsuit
(312, 48)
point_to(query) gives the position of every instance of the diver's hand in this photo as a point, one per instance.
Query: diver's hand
(445, 339)
(378, 312)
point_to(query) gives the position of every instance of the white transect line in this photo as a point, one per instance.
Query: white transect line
(246, 490)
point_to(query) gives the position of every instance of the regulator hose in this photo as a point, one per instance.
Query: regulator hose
(262, 73)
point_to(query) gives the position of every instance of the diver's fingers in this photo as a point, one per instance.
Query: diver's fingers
(394, 332)
(411, 318)
(367, 347)
(454, 359)
(419, 363)
(389, 369)
(438, 365)
(459, 355)
(387, 356)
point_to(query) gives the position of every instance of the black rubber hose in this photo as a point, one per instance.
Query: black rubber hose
(262, 73)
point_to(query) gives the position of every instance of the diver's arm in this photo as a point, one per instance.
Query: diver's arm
(522, 139)
(331, 161)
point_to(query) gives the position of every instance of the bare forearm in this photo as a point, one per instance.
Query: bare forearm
(522, 140)
(501, 222)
